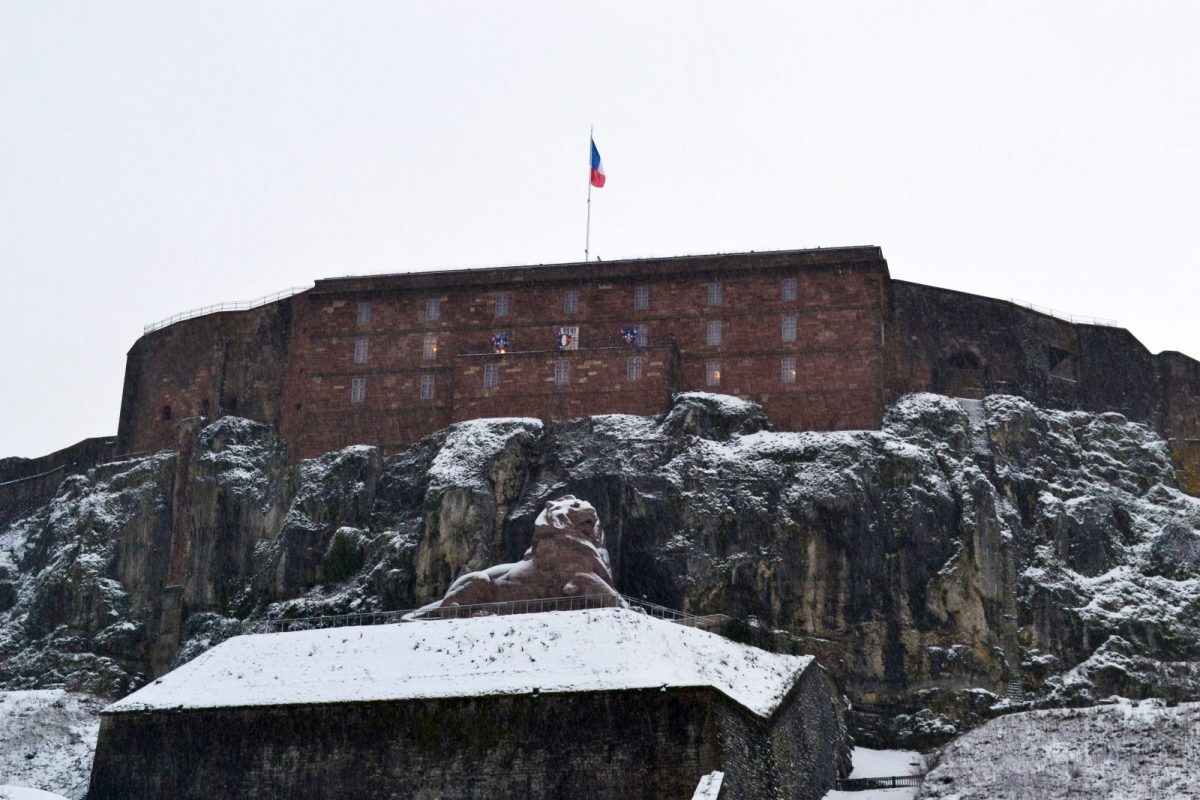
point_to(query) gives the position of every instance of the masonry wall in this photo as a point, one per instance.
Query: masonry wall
(26, 483)
(793, 755)
(328, 375)
(226, 363)
(380, 332)
(628, 745)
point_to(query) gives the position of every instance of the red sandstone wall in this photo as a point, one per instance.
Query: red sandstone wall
(838, 345)
(227, 363)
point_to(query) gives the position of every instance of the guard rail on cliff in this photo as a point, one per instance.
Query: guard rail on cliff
(577, 603)
(1075, 318)
(216, 308)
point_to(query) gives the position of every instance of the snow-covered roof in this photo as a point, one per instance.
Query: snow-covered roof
(569, 651)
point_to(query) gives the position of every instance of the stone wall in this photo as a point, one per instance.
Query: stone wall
(233, 363)
(386, 360)
(628, 745)
(26, 483)
(794, 755)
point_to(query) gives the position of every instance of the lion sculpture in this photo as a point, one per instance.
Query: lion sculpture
(567, 559)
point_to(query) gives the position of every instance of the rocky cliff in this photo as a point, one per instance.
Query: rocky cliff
(968, 557)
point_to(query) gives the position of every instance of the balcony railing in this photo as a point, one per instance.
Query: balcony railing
(577, 603)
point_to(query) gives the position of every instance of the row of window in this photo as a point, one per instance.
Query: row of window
(640, 336)
(562, 376)
(641, 301)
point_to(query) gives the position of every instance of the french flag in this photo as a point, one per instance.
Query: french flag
(597, 167)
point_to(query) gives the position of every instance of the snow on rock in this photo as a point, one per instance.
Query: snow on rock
(709, 787)
(10, 792)
(47, 738)
(574, 651)
(1126, 750)
(470, 446)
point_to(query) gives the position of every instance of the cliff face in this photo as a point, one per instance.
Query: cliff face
(965, 554)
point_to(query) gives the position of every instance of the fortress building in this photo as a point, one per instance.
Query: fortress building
(823, 339)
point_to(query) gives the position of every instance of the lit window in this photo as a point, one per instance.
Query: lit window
(788, 328)
(570, 302)
(633, 369)
(491, 376)
(714, 332)
(714, 293)
(712, 373)
(427, 386)
(641, 297)
(787, 369)
(562, 372)
(429, 348)
(432, 309)
(501, 305)
(787, 289)
(358, 390)
(360, 351)
(364, 313)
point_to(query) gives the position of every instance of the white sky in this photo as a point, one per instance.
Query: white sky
(157, 156)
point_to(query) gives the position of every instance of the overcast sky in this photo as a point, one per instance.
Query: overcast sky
(158, 156)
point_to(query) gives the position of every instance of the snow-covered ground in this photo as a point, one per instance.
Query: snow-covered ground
(47, 738)
(550, 652)
(1128, 751)
(870, 763)
(10, 792)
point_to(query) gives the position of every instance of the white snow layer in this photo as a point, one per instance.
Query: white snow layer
(10, 792)
(568, 651)
(709, 787)
(868, 763)
(47, 737)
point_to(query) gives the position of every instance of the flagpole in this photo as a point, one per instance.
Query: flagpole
(587, 242)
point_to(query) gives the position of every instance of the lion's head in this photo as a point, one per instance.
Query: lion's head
(569, 516)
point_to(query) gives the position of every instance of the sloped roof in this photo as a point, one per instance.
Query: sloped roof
(570, 651)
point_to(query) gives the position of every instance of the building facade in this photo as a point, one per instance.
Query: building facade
(823, 339)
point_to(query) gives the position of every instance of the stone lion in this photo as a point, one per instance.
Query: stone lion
(567, 559)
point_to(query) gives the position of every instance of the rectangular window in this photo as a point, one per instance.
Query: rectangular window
(633, 369)
(491, 376)
(358, 390)
(712, 373)
(643, 335)
(570, 302)
(714, 332)
(787, 289)
(432, 309)
(501, 305)
(641, 297)
(562, 372)
(364, 313)
(427, 386)
(788, 328)
(166, 413)
(787, 369)
(360, 351)
(715, 295)
(429, 347)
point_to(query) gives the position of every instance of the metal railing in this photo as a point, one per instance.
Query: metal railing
(506, 608)
(216, 308)
(1052, 312)
(867, 784)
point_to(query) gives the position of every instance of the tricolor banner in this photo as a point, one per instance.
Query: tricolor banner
(597, 167)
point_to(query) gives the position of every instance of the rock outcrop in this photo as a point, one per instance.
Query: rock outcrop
(968, 557)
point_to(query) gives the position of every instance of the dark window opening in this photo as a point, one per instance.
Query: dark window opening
(166, 413)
